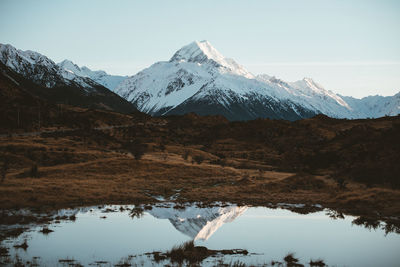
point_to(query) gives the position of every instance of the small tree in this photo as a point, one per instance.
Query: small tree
(86, 133)
(34, 171)
(4, 168)
(136, 212)
(185, 155)
(162, 146)
(136, 148)
(341, 183)
(198, 159)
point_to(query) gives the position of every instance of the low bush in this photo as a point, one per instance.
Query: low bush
(198, 159)
(34, 173)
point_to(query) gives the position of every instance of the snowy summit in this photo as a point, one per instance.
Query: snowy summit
(204, 53)
(198, 78)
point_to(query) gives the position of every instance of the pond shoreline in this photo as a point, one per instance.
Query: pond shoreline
(24, 219)
(206, 218)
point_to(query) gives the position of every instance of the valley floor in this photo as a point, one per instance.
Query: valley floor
(76, 173)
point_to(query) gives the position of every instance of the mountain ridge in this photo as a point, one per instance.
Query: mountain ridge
(43, 78)
(100, 76)
(199, 79)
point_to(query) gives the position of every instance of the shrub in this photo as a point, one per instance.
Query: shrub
(289, 258)
(162, 146)
(221, 162)
(136, 212)
(185, 155)
(318, 262)
(187, 252)
(136, 148)
(341, 183)
(198, 159)
(4, 168)
(34, 171)
(220, 155)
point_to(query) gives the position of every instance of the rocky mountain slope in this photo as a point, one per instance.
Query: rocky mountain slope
(196, 79)
(374, 106)
(199, 79)
(43, 78)
(99, 76)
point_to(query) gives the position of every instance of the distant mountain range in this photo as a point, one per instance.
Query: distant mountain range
(45, 79)
(201, 80)
(99, 76)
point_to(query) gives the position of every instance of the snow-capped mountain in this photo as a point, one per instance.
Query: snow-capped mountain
(204, 53)
(198, 223)
(374, 106)
(55, 84)
(196, 79)
(40, 69)
(200, 79)
(99, 76)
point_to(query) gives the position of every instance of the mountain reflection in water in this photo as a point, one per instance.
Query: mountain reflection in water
(128, 234)
(198, 223)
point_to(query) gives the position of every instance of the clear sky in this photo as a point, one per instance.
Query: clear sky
(350, 47)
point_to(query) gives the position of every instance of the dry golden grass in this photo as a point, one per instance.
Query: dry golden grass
(94, 175)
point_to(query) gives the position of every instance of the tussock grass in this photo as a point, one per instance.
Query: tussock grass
(193, 255)
(187, 252)
(23, 245)
(265, 162)
(292, 261)
(46, 230)
(317, 262)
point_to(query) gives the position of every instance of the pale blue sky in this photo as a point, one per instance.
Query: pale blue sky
(350, 47)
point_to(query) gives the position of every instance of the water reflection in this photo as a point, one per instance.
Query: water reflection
(373, 224)
(127, 234)
(198, 223)
(136, 212)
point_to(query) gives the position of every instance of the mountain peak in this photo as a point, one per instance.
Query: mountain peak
(202, 52)
(199, 52)
(12, 57)
(313, 84)
(4, 47)
(69, 66)
(66, 62)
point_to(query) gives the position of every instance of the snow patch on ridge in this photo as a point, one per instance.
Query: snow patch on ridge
(198, 71)
(40, 69)
(99, 76)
